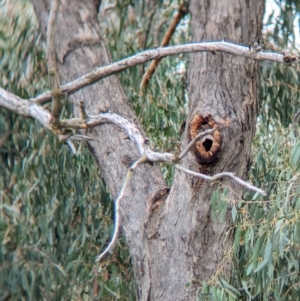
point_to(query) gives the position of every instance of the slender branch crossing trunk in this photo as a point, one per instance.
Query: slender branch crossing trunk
(172, 238)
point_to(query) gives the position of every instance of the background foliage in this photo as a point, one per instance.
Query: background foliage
(55, 213)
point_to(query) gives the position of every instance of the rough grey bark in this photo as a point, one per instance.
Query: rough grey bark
(190, 246)
(174, 242)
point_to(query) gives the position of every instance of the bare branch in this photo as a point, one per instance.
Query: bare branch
(129, 127)
(72, 146)
(221, 175)
(148, 55)
(182, 11)
(114, 239)
(31, 109)
(133, 134)
(148, 155)
(79, 137)
(158, 157)
(24, 107)
(165, 157)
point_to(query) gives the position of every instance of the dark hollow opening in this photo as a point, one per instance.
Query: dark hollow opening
(207, 144)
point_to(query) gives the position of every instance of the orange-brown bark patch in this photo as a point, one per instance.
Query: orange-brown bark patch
(205, 154)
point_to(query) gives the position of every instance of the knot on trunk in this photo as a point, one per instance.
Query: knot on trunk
(207, 148)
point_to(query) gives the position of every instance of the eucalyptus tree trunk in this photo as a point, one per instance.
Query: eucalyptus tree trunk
(172, 238)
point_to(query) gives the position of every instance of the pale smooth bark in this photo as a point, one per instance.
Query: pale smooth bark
(175, 242)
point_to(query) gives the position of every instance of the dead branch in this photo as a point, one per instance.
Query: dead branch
(24, 107)
(221, 175)
(148, 55)
(182, 11)
(118, 221)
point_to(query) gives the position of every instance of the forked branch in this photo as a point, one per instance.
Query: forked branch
(219, 176)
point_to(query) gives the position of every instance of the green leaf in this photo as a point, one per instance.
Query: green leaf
(295, 156)
(267, 256)
(249, 269)
(245, 287)
(229, 288)
(233, 213)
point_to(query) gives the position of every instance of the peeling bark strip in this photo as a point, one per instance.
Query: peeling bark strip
(185, 245)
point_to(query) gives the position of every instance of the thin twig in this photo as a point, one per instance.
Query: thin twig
(221, 175)
(72, 146)
(114, 239)
(182, 11)
(148, 55)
